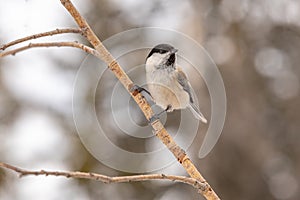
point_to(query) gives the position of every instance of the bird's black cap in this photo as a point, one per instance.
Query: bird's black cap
(162, 48)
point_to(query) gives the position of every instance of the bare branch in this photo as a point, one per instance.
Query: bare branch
(52, 44)
(106, 179)
(101, 52)
(44, 34)
(158, 127)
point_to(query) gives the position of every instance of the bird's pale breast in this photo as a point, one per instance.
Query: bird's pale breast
(165, 92)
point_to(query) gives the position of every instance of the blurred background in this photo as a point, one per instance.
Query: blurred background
(255, 45)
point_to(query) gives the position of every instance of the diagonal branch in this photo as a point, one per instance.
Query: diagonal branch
(158, 127)
(101, 52)
(106, 179)
(52, 44)
(44, 34)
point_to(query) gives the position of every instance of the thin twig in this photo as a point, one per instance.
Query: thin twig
(44, 34)
(158, 127)
(52, 44)
(105, 179)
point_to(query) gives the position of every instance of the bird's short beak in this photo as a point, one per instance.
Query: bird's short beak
(174, 51)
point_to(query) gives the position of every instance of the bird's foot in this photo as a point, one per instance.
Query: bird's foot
(156, 116)
(168, 108)
(139, 90)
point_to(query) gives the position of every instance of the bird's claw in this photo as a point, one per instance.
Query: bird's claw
(139, 90)
(156, 116)
(153, 118)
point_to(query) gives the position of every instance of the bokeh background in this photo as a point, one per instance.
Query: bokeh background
(255, 45)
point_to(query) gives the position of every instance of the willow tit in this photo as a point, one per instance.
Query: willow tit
(167, 83)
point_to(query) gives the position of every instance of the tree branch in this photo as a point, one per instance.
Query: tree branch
(101, 52)
(52, 44)
(44, 34)
(158, 127)
(106, 179)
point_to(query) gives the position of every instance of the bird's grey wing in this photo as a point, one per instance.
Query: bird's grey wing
(183, 81)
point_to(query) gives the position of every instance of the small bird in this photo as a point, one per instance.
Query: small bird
(167, 83)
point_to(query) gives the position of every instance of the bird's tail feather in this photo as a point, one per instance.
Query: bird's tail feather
(196, 112)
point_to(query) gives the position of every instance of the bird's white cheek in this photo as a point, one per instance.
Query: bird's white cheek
(150, 67)
(154, 61)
